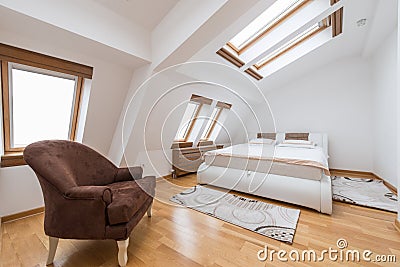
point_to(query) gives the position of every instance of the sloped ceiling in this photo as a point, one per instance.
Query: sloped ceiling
(381, 18)
(139, 11)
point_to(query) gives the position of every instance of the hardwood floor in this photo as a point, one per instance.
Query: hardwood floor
(177, 236)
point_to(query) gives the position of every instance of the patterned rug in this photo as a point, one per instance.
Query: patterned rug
(364, 192)
(266, 219)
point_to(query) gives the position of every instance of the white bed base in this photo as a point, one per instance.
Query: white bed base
(309, 193)
(315, 194)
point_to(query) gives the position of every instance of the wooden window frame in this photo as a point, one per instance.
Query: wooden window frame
(221, 106)
(250, 71)
(325, 25)
(213, 123)
(191, 124)
(13, 156)
(267, 30)
(224, 53)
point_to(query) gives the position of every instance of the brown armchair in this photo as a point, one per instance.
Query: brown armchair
(86, 196)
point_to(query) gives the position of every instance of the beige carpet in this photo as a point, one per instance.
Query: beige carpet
(364, 192)
(266, 219)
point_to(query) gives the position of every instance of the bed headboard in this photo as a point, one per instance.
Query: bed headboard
(267, 135)
(320, 139)
(297, 136)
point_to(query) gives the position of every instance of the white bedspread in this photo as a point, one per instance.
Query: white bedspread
(291, 155)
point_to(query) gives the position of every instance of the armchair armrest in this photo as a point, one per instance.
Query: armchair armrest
(90, 192)
(128, 174)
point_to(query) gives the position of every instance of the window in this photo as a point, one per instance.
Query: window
(316, 28)
(188, 121)
(270, 18)
(211, 123)
(249, 49)
(41, 98)
(197, 123)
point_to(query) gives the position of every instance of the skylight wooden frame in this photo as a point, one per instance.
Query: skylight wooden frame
(213, 123)
(240, 51)
(191, 123)
(13, 55)
(294, 44)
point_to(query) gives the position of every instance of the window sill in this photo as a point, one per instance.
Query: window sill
(181, 144)
(12, 160)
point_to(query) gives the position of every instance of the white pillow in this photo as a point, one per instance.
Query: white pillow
(262, 141)
(299, 142)
(312, 146)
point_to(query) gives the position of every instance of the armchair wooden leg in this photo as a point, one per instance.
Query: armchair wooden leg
(123, 252)
(149, 210)
(53, 243)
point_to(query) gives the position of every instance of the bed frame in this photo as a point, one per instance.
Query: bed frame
(315, 194)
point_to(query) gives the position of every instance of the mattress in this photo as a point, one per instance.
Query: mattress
(251, 158)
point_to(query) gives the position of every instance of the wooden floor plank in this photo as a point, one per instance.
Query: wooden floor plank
(177, 236)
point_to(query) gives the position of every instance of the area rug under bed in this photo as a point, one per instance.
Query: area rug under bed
(364, 192)
(266, 219)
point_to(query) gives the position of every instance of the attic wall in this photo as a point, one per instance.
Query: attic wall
(159, 118)
(19, 188)
(384, 77)
(334, 99)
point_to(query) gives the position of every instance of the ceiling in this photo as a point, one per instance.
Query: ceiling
(16, 28)
(381, 21)
(146, 13)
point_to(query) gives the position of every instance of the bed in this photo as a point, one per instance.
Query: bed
(281, 170)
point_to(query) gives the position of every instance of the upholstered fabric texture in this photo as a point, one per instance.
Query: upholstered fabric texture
(86, 196)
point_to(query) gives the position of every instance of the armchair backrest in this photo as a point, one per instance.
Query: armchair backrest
(65, 164)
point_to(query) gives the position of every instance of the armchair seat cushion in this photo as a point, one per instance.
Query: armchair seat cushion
(128, 197)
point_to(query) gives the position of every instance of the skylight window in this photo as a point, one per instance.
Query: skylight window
(201, 120)
(211, 123)
(188, 120)
(270, 18)
(265, 39)
(292, 43)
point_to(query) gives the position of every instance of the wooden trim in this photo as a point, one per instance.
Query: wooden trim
(12, 159)
(337, 22)
(214, 122)
(363, 174)
(201, 99)
(254, 74)
(21, 215)
(6, 105)
(180, 144)
(388, 185)
(77, 102)
(269, 29)
(26, 57)
(234, 48)
(224, 105)
(334, 2)
(397, 224)
(290, 47)
(192, 123)
(230, 57)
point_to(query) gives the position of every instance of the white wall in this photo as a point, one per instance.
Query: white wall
(384, 84)
(335, 99)
(398, 108)
(19, 188)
